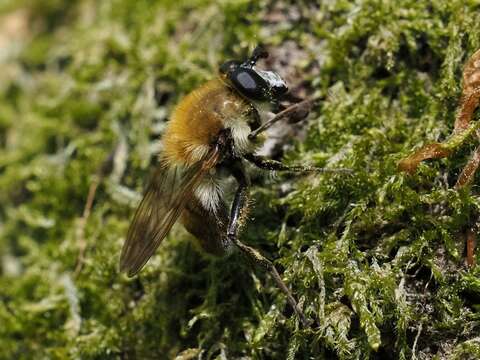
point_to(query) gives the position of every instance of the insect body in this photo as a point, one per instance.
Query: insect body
(208, 137)
(213, 121)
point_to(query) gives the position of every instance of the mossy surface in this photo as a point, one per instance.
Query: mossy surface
(376, 259)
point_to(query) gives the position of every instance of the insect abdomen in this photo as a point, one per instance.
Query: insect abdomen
(208, 227)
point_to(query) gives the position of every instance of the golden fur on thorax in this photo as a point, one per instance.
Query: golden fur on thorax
(197, 121)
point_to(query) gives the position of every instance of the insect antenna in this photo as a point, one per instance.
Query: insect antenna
(258, 53)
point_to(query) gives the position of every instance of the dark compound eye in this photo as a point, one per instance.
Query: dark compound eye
(246, 80)
(250, 84)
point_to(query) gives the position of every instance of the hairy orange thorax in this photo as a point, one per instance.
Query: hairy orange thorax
(198, 119)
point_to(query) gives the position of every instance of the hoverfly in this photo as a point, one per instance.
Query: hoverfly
(212, 131)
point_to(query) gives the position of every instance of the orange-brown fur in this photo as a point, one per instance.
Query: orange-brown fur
(197, 120)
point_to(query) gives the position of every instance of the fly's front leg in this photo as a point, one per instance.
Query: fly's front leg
(292, 114)
(237, 213)
(274, 165)
(240, 201)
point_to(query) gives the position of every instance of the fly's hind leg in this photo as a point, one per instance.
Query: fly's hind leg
(259, 259)
(236, 217)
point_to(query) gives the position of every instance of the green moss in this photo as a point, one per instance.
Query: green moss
(376, 259)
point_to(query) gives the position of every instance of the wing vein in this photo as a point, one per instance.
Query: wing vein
(164, 200)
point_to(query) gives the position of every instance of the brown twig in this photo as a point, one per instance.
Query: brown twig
(471, 241)
(104, 169)
(80, 234)
(471, 92)
(429, 151)
(469, 102)
(469, 170)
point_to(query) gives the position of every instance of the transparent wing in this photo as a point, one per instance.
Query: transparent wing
(165, 198)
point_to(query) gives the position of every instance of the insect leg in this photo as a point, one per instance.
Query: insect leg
(293, 113)
(240, 200)
(239, 204)
(259, 259)
(274, 165)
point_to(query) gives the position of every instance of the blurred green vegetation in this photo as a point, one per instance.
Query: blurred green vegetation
(376, 259)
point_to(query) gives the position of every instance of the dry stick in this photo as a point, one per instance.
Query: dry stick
(465, 178)
(469, 101)
(471, 240)
(468, 104)
(470, 92)
(414, 348)
(104, 169)
(300, 108)
(469, 170)
(80, 234)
